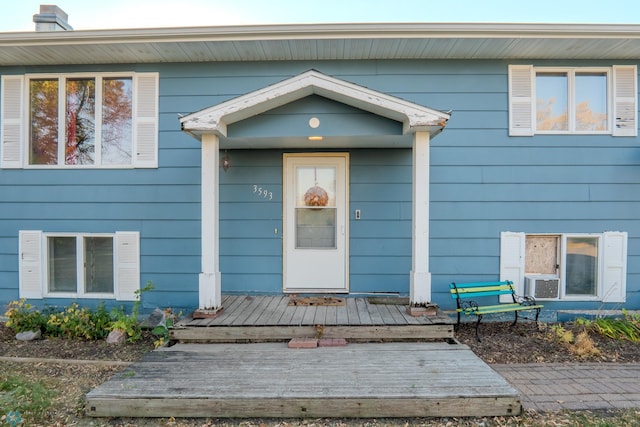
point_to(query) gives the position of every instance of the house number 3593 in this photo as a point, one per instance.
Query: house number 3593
(263, 192)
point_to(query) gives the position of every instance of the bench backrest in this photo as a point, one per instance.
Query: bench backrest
(481, 289)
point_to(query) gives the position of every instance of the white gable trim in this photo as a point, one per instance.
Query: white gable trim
(216, 119)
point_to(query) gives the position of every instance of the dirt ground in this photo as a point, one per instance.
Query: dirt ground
(501, 343)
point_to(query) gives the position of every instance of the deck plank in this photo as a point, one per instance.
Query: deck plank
(270, 380)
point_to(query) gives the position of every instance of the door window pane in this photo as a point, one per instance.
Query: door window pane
(582, 266)
(315, 228)
(62, 264)
(117, 118)
(80, 146)
(551, 102)
(315, 207)
(591, 102)
(98, 264)
(43, 122)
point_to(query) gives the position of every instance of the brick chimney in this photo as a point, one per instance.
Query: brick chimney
(51, 18)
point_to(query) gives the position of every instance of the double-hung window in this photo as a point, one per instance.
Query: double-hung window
(577, 100)
(576, 267)
(94, 120)
(79, 265)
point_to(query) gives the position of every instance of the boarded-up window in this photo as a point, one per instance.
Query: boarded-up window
(541, 254)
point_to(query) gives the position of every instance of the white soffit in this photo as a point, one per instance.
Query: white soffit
(216, 119)
(323, 42)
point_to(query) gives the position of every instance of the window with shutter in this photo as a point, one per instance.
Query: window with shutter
(592, 267)
(72, 265)
(104, 120)
(573, 100)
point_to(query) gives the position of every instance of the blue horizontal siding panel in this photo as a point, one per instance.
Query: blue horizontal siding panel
(259, 264)
(386, 283)
(380, 229)
(251, 283)
(374, 192)
(508, 210)
(380, 247)
(252, 246)
(100, 193)
(527, 156)
(379, 264)
(107, 211)
(511, 192)
(169, 246)
(176, 264)
(534, 174)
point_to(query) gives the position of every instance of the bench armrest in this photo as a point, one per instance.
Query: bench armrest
(469, 307)
(525, 300)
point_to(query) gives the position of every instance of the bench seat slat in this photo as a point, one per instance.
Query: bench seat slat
(499, 308)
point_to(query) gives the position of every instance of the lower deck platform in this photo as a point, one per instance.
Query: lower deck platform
(431, 379)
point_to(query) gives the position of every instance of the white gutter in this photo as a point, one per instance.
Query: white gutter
(324, 32)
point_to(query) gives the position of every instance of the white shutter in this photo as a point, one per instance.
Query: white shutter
(512, 246)
(521, 100)
(145, 135)
(127, 258)
(614, 277)
(30, 264)
(625, 107)
(12, 122)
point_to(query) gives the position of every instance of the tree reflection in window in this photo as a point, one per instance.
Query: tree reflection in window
(92, 135)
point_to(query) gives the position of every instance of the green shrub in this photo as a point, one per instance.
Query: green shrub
(74, 322)
(23, 317)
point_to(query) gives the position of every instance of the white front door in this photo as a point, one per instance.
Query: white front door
(315, 223)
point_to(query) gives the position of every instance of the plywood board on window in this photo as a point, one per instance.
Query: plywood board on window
(541, 254)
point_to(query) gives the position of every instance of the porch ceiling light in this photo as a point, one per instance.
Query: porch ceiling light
(315, 138)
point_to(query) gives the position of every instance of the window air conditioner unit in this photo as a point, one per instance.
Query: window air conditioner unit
(542, 286)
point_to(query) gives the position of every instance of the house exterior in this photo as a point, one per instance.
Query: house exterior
(354, 159)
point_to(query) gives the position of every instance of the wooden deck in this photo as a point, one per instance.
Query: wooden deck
(270, 380)
(272, 318)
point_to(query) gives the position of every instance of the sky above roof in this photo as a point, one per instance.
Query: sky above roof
(104, 14)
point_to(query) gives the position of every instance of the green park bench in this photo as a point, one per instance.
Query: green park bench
(466, 295)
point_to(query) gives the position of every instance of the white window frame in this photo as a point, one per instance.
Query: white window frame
(622, 99)
(563, 269)
(612, 264)
(34, 271)
(571, 99)
(80, 267)
(15, 126)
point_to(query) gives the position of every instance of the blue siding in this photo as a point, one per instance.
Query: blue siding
(482, 182)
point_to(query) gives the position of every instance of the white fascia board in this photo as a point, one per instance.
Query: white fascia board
(321, 31)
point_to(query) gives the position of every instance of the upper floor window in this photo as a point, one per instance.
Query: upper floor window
(80, 120)
(572, 100)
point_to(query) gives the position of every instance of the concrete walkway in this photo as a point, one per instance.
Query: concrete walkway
(574, 386)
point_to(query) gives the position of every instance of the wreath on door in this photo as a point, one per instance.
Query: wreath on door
(316, 196)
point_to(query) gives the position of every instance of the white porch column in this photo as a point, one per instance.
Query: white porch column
(210, 294)
(420, 275)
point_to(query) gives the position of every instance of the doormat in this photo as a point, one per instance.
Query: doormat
(316, 301)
